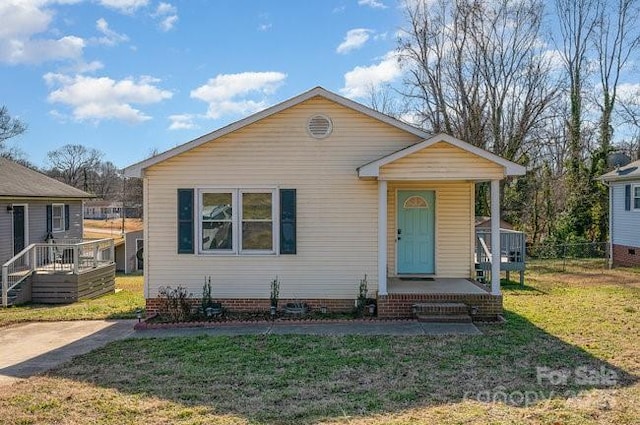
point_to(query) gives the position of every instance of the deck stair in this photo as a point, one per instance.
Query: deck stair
(442, 312)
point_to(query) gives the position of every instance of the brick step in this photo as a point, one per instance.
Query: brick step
(448, 318)
(440, 309)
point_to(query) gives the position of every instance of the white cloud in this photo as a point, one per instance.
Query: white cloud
(372, 3)
(109, 36)
(629, 92)
(360, 80)
(22, 21)
(242, 93)
(167, 14)
(100, 98)
(40, 50)
(124, 6)
(165, 9)
(554, 58)
(354, 39)
(182, 122)
(264, 27)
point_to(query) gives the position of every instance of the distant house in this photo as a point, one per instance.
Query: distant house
(103, 210)
(42, 253)
(320, 190)
(624, 214)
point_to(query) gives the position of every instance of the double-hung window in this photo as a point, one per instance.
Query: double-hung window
(635, 196)
(238, 221)
(57, 217)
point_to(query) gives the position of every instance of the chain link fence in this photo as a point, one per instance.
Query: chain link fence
(561, 257)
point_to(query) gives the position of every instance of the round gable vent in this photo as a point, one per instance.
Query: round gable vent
(319, 126)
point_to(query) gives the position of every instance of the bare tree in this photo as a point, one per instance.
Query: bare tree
(476, 71)
(616, 36)
(9, 127)
(106, 181)
(73, 164)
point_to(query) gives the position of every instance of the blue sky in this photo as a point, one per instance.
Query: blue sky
(130, 76)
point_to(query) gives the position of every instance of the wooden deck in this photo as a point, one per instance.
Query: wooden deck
(49, 287)
(60, 272)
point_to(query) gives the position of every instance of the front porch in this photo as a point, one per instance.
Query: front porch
(405, 297)
(58, 272)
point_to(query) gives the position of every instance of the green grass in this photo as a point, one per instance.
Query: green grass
(584, 318)
(120, 305)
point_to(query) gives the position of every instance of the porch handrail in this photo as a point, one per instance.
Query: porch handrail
(512, 246)
(10, 278)
(55, 257)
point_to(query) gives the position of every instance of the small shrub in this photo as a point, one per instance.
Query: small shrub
(175, 303)
(207, 301)
(361, 302)
(275, 292)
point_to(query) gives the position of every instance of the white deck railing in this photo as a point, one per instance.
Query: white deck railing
(512, 247)
(59, 256)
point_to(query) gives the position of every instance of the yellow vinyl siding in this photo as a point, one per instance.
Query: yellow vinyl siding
(336, 212)
(442, 161)
(454, 225)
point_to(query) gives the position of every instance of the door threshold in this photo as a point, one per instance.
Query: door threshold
(427, 277)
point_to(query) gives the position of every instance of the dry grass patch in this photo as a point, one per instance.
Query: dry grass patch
(557, 323)
(115, 224)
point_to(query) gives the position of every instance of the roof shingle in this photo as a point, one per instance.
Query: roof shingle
(19, 181)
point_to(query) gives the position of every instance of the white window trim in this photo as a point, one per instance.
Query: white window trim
(236, 220)
(53, 228)
(633, 197)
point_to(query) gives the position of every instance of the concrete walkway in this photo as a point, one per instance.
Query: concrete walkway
(326, 328)
(27, 349)
(31, 348)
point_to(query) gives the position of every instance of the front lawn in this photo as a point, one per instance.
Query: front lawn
(120, 305)
(567, 355)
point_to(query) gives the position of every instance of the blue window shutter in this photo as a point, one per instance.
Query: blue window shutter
(185, 221)
(49, 218)
(287, 221)
(627, 197)
(66, 217)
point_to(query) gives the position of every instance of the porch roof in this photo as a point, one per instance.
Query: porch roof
(509, 168)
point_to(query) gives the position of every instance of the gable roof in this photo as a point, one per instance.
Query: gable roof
(136, 169)
(19, 181)
(372, 169)
(630, 171)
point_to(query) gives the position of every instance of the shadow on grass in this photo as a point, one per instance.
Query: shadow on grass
(303, 379)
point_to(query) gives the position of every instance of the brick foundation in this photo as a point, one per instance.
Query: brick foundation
(399, 305)
(391, 306)
(259, 304)
(626, 255)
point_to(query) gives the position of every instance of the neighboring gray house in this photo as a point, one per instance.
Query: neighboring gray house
(624, 214)
(33, 206)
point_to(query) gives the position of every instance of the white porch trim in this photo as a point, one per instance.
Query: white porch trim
(382, 237)
(495, 237)
(372, 169)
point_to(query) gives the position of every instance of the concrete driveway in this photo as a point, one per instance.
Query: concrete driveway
(30, 348)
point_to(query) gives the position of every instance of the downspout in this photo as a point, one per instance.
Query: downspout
(610, 223)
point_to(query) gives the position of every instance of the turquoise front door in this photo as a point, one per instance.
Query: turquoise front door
(415, 232)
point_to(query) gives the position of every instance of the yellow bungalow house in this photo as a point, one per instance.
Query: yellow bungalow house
(320, 190)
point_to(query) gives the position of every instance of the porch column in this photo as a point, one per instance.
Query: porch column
(495, 237)
(382, 237)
